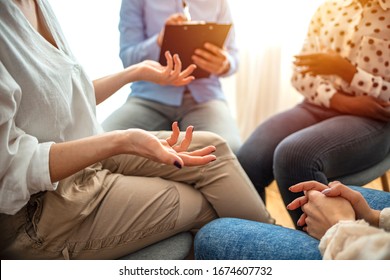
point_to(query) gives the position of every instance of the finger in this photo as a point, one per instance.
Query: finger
(169, 66)
(184, 77)
(307, 186)
(204, 64)
(185, 143)
(354, 197)
(188, 71)
(207, 56)
(177, 67)
(172, 140)
(196, 160)
(302, 220)
(298, 202)
(175, 19)
(310, 56)
(185, 81)
(203, 152)
(306, 62)
(217, 51)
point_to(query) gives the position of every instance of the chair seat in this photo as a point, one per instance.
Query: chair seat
(367, 175)
(176, 247)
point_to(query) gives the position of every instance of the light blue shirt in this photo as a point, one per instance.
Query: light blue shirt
(140, 24)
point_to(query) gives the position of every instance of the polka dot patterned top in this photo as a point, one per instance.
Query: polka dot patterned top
(358, 33)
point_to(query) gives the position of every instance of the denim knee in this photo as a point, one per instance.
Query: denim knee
(237, 239)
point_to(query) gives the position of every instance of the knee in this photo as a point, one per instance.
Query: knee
(205, 138)
(209, 240)
(292, 156)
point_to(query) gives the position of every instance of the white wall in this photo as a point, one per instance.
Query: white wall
(91, 28)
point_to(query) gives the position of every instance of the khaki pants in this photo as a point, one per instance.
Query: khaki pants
(126, 202)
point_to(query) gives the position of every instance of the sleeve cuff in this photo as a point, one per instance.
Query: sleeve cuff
(384, 219)
(364, 83)
(40, 171)
(233, 67)
(324, 93)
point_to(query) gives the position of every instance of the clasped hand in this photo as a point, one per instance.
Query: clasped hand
(323, 206)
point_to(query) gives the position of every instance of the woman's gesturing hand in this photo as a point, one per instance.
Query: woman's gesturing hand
(172, 74)
(168, 151)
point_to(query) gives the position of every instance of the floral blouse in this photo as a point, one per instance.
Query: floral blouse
(358, 33)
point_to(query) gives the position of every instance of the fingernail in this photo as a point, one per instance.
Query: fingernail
(177, 164)
(326, 191)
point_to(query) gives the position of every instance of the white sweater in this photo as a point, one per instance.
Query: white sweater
(350, 240)
(45, 97)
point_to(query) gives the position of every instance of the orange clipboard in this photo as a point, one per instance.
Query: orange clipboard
(183, 39)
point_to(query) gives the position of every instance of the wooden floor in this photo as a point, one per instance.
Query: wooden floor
(277, 209)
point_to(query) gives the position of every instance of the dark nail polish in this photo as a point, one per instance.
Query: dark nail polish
(177, 164)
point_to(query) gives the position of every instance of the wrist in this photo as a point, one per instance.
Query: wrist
(117, 142)
(338, 101)
(348, 72)
(374, 218)
(134, 73)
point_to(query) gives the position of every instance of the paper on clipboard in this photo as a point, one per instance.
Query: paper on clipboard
(183, 39)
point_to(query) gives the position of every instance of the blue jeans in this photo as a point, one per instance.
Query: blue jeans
(309, 142)
(237, 239)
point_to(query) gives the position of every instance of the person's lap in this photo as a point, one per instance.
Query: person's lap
(238, 239)
(311, 143)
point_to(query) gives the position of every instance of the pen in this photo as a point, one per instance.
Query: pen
(186, 10)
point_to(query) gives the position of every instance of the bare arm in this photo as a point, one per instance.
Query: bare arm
(70, 157)
(150, 71)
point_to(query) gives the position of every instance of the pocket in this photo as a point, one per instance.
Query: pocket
(33, 213)
(374, 56)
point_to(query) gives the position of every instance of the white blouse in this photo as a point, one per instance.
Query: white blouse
(358, 33)
(45, 97)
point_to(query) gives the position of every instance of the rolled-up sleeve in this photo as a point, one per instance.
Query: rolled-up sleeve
(24, 162)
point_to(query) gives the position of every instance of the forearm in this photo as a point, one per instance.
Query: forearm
(339, 102)
(346, 71)
(107, 86)
(70, 157)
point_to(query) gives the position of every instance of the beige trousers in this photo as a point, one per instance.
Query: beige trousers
(126, 202)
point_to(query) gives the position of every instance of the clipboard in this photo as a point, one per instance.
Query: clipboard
(183, 39)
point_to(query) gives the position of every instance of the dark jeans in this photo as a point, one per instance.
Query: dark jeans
(308, 142)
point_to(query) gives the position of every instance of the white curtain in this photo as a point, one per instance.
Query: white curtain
(268, 33)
